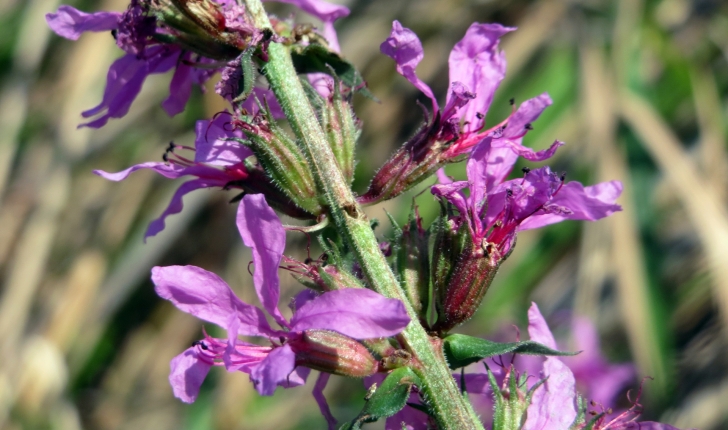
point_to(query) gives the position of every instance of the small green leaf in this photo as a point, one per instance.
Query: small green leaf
(316, 58)
(462, 350)
(389, 398)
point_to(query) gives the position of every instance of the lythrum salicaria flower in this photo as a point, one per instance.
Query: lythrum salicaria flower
(195, 40)
(218, 162)
(494, 212)
(477, 68)
(319, 327)
(555, 404)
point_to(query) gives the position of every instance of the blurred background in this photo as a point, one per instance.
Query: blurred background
(640, 94)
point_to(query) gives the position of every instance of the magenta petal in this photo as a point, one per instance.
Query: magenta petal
(527, 113)
(171, 171)
(553, 405)
(302, 298)
(644, 425)
(274, 370)
(325, 11)
(175, 205)
(476, 62)
(123, 83)
(187, 372)
(452, 192)
(477, 171)
(263, 232)
(318, 394)
(212, 145)
(373, 315)
(405, 48)
(180, 88)
(296, 378)
(70, 22)
(581, 203)
(209, 298)
(538, 330)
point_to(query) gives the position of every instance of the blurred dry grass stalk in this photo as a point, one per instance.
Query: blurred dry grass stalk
(85, 345)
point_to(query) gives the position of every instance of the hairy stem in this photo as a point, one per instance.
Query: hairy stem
(439, 389)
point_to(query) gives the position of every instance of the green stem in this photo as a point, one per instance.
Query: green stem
(450, 408)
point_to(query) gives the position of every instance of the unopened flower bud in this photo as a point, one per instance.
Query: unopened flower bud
(412, 262)
(460, 290)
(282, 160)
(332, 352)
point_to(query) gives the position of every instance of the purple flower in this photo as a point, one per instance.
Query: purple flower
(496, 209)
(152, 47)
(144, 57)
(206, 296)
(217, 162)
(477, 68)
(554, 404)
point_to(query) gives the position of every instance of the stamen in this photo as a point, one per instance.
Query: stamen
(512, 101)
(526, 170)
(529, 126)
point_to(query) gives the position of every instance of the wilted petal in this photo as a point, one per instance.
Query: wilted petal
(527, 113)
(263, 232)
(583, 203)
(476, 62)
(212, 146)
(318, 394)
(70, 22)
(187, 372)
(274, 370)
(209, 298)
(357, 313)
(405, 48)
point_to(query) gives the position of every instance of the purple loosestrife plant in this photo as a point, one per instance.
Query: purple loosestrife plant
(380, 310)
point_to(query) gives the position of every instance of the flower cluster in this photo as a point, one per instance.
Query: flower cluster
(381, 311)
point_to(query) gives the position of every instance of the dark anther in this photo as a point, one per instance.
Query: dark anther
(509, 192)
(526, 170)
(512, 101)
(114, 33)
(529, 126)
(563, 176)
(282, 339)
(308, 261)
(324, 257)
(165, 158)
(479, 115)
(171, 146)
(200, 343)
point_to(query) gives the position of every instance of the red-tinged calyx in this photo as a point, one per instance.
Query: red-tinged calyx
(332, 352)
